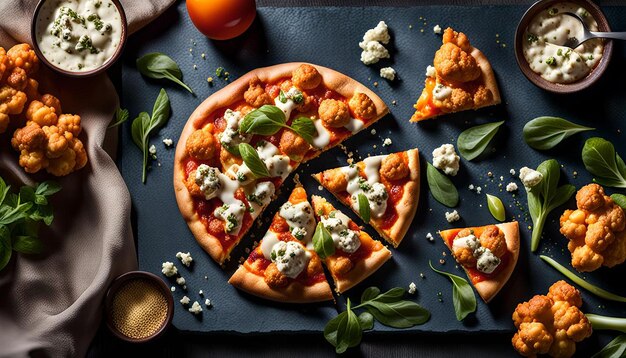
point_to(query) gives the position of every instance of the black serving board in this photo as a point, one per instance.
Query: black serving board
(329, 36)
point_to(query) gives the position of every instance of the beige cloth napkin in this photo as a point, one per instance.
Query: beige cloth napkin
(51, 305)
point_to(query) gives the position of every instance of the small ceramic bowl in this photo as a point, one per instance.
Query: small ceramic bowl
(79, 74)
(539, 81)
(120, 283)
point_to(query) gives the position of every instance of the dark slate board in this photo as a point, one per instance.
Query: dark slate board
(329, 37)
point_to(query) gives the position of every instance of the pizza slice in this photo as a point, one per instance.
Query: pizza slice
(461, 79)
(387, 185)
(356, 255)
(488, 254)
(242, 142)
(284, 267)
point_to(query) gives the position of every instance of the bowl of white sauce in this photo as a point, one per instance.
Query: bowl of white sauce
(79, 38)
(539, 45)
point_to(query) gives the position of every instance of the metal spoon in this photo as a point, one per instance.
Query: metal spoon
(573, 42)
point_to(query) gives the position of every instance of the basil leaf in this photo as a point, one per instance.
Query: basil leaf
(48, 188)
(4, 190)
(343, 331)
(398, 314)
(393, 295)
(601, 160)
(364, 207)
(305, 128)
(441, 188)
(43, 213)
(473, 141)
(369, 293)
(366, 321)
(160, 111)
(620, 200)
(266, 121)
(615, 349)
(27, 245)
(281, 97)
(157, 65)
(544, 133)
(496, 208)
(5, 246)
(463, 297)
(121, 116)
(323, 243)
(251, 157)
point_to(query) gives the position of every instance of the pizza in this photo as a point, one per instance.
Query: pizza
(242, 142)
(488, 254)
(284, 267)
(356, 255)
(387, 186)
(461, 79)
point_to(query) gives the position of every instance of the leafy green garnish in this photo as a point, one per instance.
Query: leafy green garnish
(463, 297)
(545, 197)
(389, 308)
(364, 207)
(620, 200)
(20, 215)
(544, 133)
(268, 120)
(582, 283)
(157, 65)
(323, 243)
(615, 349)
(442, 188)
(251, 157)
(604, 163)
(121, 116)
(473, 141)
(496, 208)
(145, 125)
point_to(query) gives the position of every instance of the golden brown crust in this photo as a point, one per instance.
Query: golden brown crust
(295, 292)
(488, 289)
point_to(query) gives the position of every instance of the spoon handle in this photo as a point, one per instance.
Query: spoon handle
(610, 35)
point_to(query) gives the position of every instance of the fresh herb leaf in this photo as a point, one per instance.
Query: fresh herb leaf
(463, 297)
(121, 116)
(615, 349)
(366, 321)
(496, 208)
(251, 157)
(47, 188)
(157, 65)
(27, 245)
(364, 207)
(473, 141)
(543, 133)
(305, 128)
(344, 331)
(620, 200)
(6, 248)
(398, 314)
(545, 197)
(145, 125)
(266, 121)
(281, 97)
(441, 188)
(370, 293)
(604, 163)
(582, 283)
(323, 242)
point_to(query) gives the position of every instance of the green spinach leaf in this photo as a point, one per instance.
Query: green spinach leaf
(441, 188)
(366, 321)
(344, 331)
(121, 116)
(305, 128)
(604, 163)
(323, 243)
(473, 141)
(267, 120)
(251, 157)
(463, 297)
(157, 65)
(364, 207)
(544, 133)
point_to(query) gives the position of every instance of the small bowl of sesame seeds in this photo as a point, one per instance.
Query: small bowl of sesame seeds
(138, 306)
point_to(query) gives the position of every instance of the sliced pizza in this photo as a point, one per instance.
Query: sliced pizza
(284, 267)
(242, 142)
(383, 190)
(355, 255)
(488, 254)
(461, 79)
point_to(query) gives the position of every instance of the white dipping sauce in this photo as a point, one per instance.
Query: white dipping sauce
(544, 39)
(78, 35)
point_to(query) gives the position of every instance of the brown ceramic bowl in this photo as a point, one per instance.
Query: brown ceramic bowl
(539, 81)
(119, 283)
(99, 70)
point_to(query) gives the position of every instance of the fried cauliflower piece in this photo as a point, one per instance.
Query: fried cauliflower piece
(458, 100)
(393, 167)
(595, 230)
(51, 101)
(69, 123)
(255, 95)
(274, 278)
(23, 56)
(293, 145)
(33, 161)
(41, 114)
(455, 65)
(314, 266)
(335, 180)
(362, 106)
(12, 101)
(29, 138)
(333, 113)
(492, 238)
(17, 78)
(201, 144)
(551, 324)
(64, 164)
(457, 38)
(81, 154)
(4, 61)
(192, 186)
(306, 77)
(342, 265)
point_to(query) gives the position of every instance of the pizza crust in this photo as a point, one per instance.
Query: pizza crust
(295, 292)
(361, 270)
(232, 94)
(488, 289)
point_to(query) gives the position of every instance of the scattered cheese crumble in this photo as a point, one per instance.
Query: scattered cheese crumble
(181, 281)
(511, 187)
(168, 269)
(437, 29)
(207, 302)
(185, 300)
(446, 159)
(388, 73)
(387, 142)
(373, 131)
(430, 71)
(530, 177)
(173, 288)
(453, 216)
(512, 171)
(185, 258)
(372, 44)
(430, 237)
(168, 142)
(479, 189)
(412, 288)
(152, 150)
(195, 308)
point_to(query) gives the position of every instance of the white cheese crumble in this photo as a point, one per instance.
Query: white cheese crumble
(388, 73)
(372, 44)
(446, 159)
(412, 288)
(207, 302)
(185, 300)
(471, 187)
(387, 142)
(453, 216)
(430, 71)
(511, 187)
(152, 150)
(486, 261)
(231, 137)
(373, 131)
(512, 171)
(374, 191)
(185, 258)
(173, 288)
(181, 281)
(168, 269)
(530, 177)
(195, 308)
(168, 142)
(207, 178)
(479, 189)
(430, 237)
(437, 29)
(441, 92)
(290, 258)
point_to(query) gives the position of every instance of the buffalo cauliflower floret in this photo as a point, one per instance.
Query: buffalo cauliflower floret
(335, 180)
(306, 77)
(17, 78)
(599, 236)
(69, 123)
(455, 65)
(562, 291)
(293, 145)
(590, 197)
(457, 38)
(41, 114)
(274, 278)
(29, 138)
(458, 100)
(81, 155)
(32, 90)
(393, 167)
(33, 161)
(192, 186)
(64, 164)
(57, 142)
(23, 56)
(615, 254)
(12, 101)
(584, 259)
(201, 144)
(573, 225)
(51, 101)
(4, 61)
(492, 238)
(255, 95)
(334, 113)
(362, 106)
(342, 265)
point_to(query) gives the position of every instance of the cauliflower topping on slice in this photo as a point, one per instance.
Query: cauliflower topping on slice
(372, 44)
(530, 177)
(446, 159)
(388, 73)
(208, 180)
